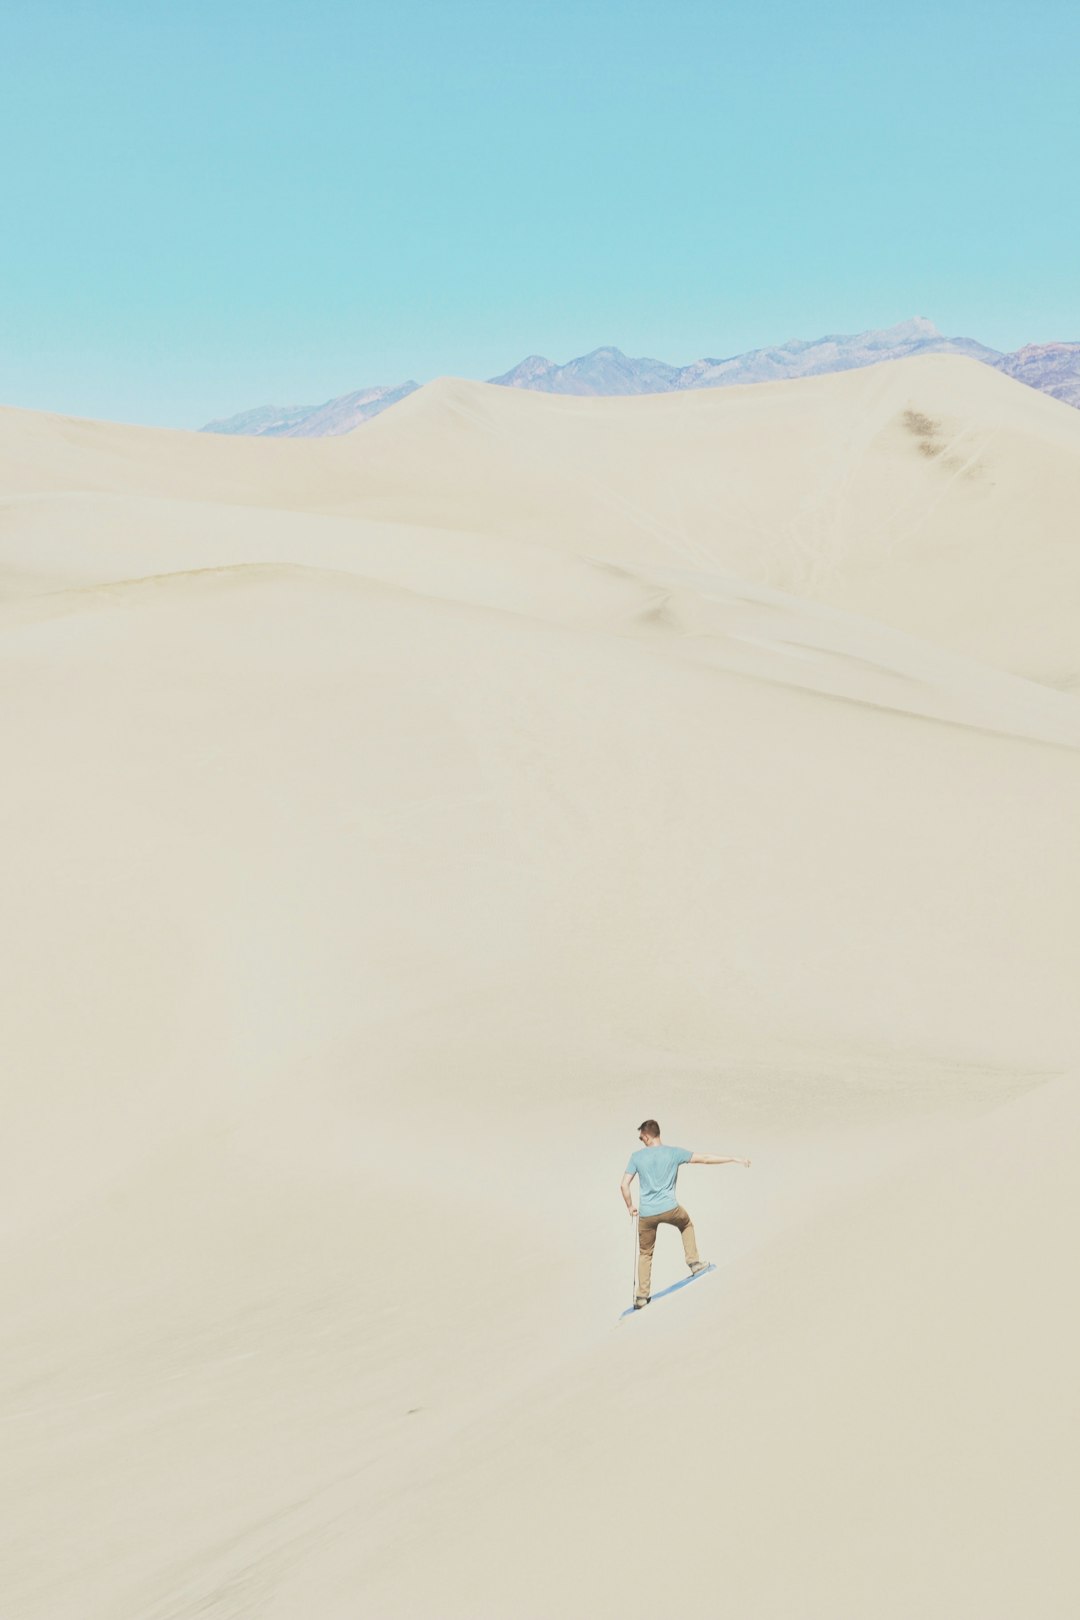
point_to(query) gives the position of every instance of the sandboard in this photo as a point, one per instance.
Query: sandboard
(673, 1288)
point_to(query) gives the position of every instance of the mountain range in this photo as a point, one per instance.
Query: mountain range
(1053, 368)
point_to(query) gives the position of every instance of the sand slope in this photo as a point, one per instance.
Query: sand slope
(391, 823)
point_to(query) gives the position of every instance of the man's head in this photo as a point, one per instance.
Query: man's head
(648, 1132)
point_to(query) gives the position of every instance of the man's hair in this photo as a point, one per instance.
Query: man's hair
(650, 1127)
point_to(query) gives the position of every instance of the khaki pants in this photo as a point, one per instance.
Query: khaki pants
(647, 1225)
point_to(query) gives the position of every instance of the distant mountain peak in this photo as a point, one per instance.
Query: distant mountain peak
(919, 326)
(1052, 368)
(527, 373)
(606, 370)
(335, 417)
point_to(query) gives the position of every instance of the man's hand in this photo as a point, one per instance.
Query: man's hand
(633, 1213)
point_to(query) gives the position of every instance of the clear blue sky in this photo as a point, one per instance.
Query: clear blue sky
(211, 206)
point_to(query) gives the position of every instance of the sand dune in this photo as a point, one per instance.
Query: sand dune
(391, 823)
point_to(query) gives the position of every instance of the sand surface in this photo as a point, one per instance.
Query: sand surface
(390, 823)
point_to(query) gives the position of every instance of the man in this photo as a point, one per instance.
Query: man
(657, 1169)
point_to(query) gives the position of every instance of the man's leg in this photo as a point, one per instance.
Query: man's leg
(646, 1245)
(678, 1217)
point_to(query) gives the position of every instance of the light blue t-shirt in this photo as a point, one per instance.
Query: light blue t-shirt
(657, 1170)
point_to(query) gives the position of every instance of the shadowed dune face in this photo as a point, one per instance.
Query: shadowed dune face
(391, 823)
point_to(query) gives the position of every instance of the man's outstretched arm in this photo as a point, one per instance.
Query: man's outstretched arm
(712, 1158)
(624, 1188)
